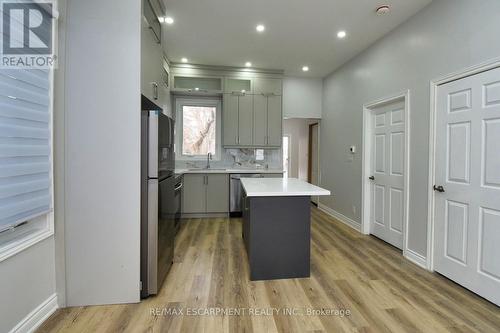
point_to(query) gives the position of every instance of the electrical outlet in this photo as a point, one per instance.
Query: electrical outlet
(354, 209)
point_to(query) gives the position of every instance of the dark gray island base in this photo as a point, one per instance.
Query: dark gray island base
(277, 236)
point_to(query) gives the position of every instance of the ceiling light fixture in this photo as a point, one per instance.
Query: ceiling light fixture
(341, 34)
(169, 20)
(260, 28)
(305, 69)
(184, 60)
(382, 10)
(248, 64)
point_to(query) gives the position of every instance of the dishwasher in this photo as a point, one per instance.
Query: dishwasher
(236, 192)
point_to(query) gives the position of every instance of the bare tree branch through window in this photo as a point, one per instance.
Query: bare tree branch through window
(198, 133)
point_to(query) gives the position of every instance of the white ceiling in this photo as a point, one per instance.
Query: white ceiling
(298, 32)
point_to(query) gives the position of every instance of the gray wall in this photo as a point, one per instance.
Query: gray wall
(302, 97)
(446, 36)
(102, 151)
(26, 281)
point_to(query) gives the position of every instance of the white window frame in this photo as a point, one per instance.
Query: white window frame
(192, 101)
(41, 227)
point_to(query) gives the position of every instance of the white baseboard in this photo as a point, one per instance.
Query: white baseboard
(340, 217)
(36, 317)
(415, 258)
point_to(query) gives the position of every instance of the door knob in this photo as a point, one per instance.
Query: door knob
(439, 188)
(371, 178)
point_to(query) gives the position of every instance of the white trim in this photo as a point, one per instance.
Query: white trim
(198, 101)
(416, 258)
(366, 168)
(36, 317)
(340, 217)
(22, 243)
(473, 70)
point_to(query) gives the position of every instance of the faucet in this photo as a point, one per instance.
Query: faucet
(209, 157)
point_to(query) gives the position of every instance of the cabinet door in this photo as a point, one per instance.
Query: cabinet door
(194, 194)
(230, 120)
(148, 62)
(267, 86)
(245, 112)
(259, 120)
(274, 121)
(218, 193)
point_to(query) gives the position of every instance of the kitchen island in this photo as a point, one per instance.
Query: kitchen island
(277, 226)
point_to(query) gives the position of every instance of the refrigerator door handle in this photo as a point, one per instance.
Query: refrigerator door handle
(153, 145)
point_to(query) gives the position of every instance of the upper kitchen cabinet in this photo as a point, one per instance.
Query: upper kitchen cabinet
(274, 121)
(197, 84)
(152, 19)
(237, 119)
(268, 119)
(267, 86)
(238, 85)
(152, 62)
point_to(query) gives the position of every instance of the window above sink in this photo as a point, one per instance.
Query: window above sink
(198, 128)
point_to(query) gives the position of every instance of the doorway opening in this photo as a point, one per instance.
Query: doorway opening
(313, 158)
(286, 156)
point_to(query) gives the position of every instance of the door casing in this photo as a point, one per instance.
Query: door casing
(367, 168)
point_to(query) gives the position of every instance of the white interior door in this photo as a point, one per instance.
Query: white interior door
(314, 159)
(387, 165)
(467, 213)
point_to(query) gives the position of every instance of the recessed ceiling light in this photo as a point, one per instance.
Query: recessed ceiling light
(169, 20)
(260, 28)
(184, 60)
(382, 10)
(305, 68)
(248, 64)
(341, 34)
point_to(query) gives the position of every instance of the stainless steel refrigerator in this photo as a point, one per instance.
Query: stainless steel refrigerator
(157, 197)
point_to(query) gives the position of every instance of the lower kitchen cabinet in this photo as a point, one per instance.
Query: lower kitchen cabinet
(194, 194)
(217, 193)
(205, 193)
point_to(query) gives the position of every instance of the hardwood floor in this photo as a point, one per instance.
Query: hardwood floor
(382, 291)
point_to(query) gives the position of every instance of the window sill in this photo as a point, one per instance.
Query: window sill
(24, 240)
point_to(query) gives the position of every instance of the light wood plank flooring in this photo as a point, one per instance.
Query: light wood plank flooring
(350, 271)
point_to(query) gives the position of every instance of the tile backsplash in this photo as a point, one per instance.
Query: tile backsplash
(239, 158)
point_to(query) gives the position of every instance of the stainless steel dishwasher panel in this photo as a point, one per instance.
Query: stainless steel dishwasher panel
(236, 192)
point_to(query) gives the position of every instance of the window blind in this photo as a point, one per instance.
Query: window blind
(25, 145)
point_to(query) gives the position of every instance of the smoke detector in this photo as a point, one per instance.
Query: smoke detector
(382, 10)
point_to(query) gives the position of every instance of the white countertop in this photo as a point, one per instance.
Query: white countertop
(280, 187)
(216, 170)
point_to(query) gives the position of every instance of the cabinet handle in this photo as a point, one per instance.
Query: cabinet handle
(155, 90)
